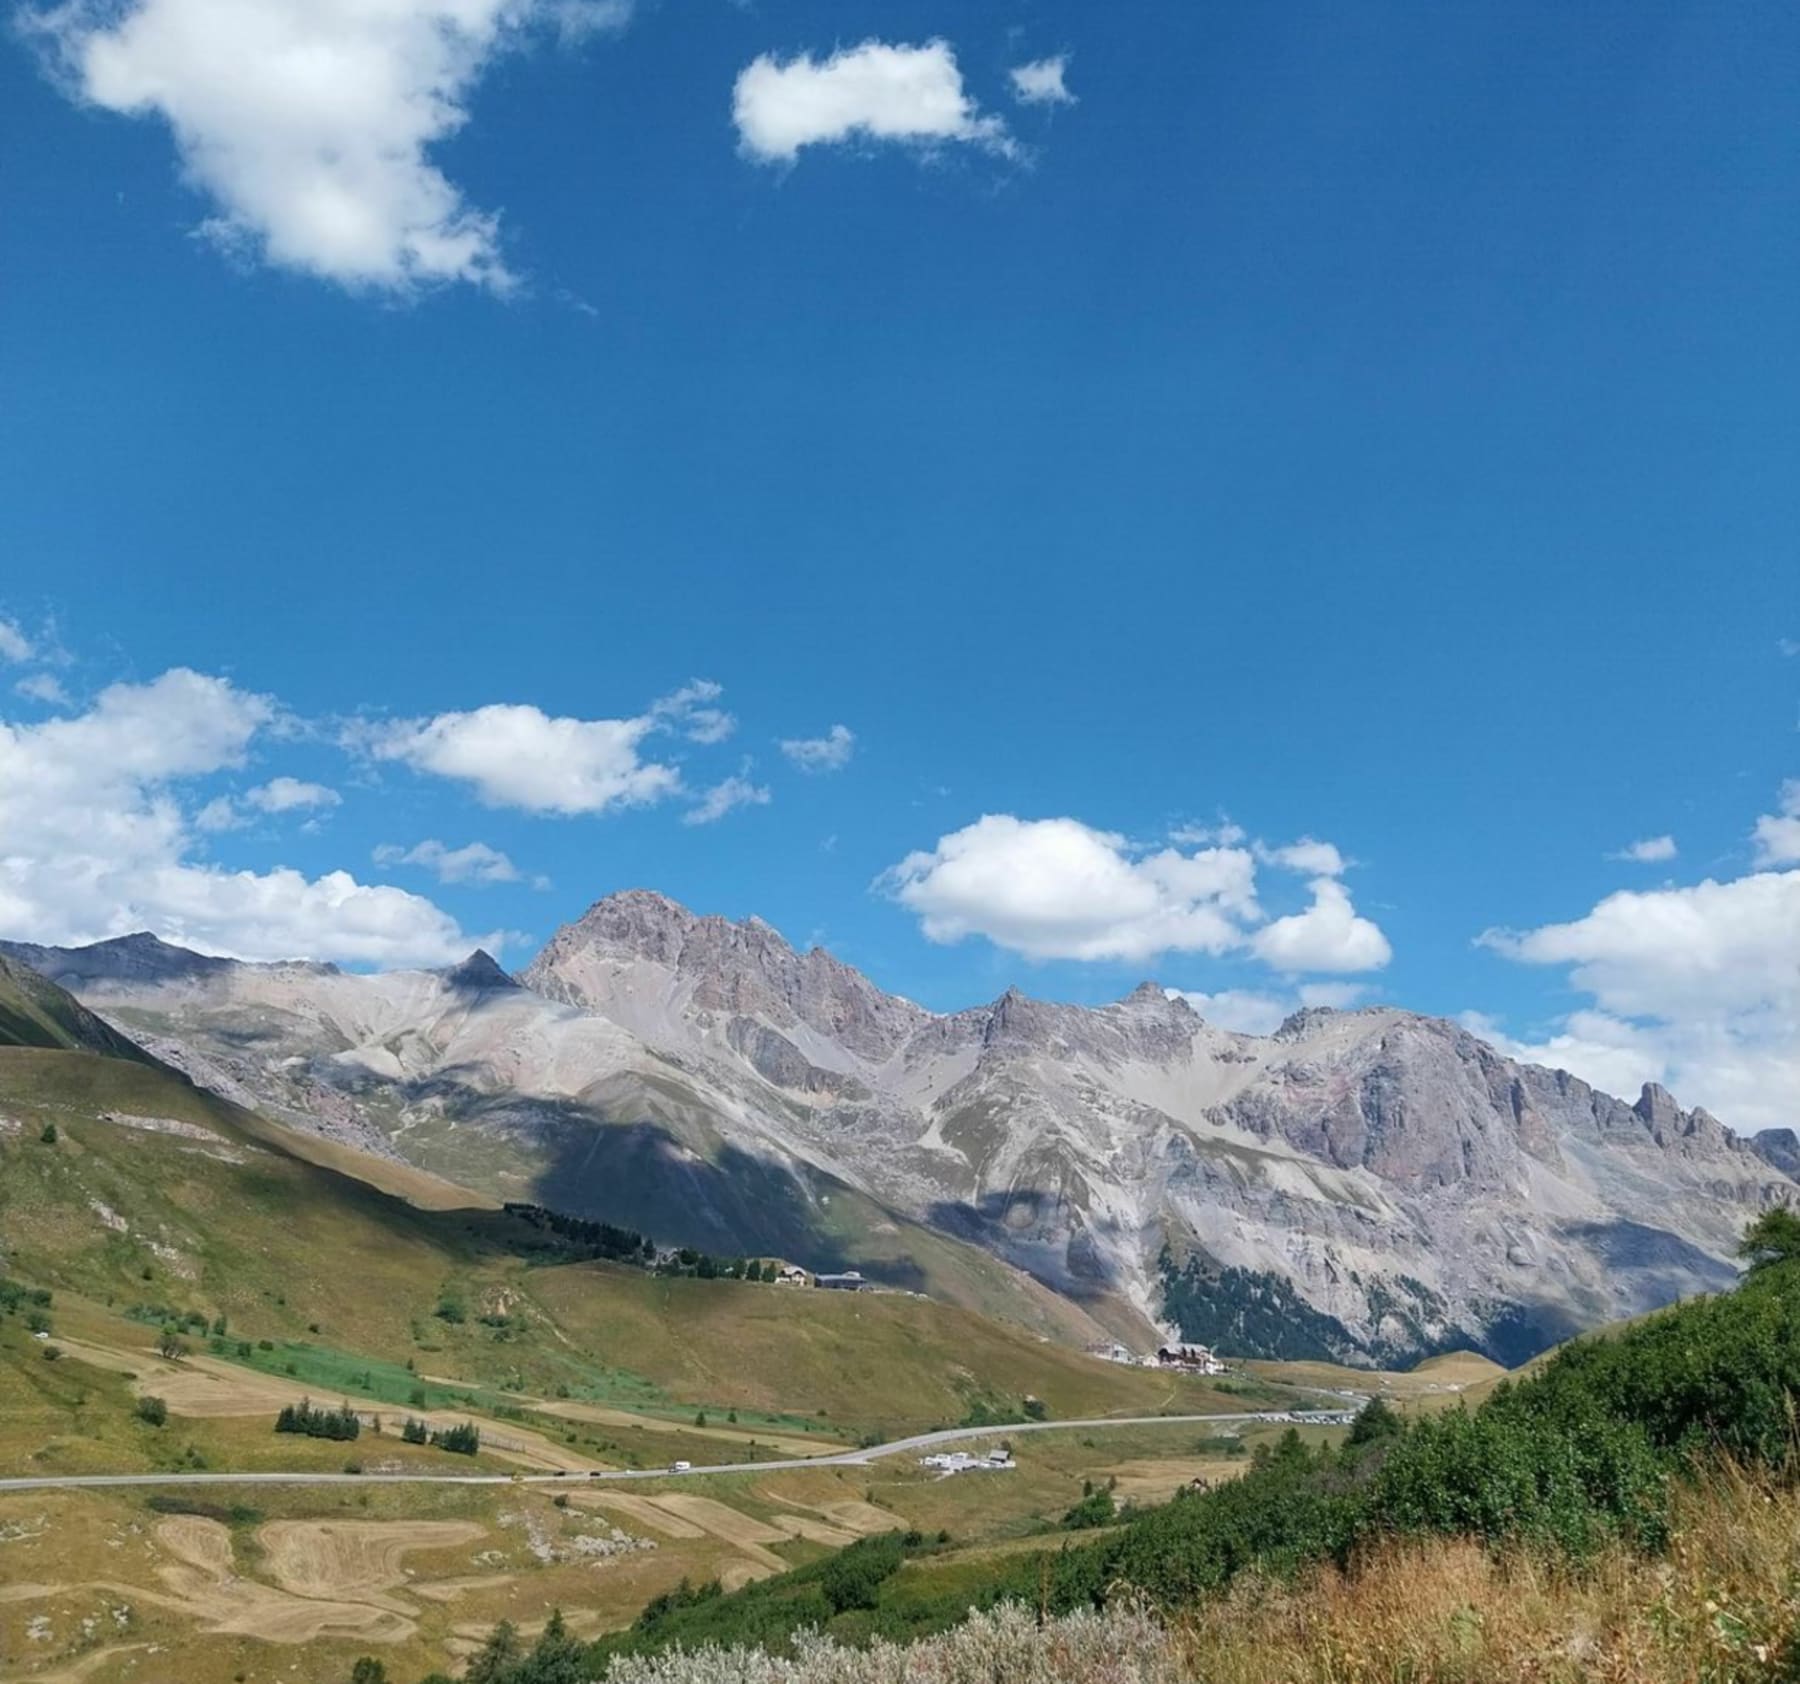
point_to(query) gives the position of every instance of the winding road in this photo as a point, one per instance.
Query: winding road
(842, 1458)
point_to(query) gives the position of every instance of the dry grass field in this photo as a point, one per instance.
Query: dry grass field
(248, 1579)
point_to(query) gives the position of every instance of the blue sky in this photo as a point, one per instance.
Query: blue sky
(1369, 425)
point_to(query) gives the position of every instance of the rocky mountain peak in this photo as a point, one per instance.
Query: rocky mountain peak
(479, 973)
(1146, 993)
(1780, 1147)
(716, 965)
(1296, 1025)
(140, 957)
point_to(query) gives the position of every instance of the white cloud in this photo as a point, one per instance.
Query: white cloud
(1649, 851)
(690, 711)
(1777, 835)
(1712, 947)
(1242, 1010)
(14, 644)
(1225, 834)
(1339, 996)
(1059, 889)
(1697, 986)
(1041, 82)
(874, 91)
(1253, 1012)
(286, 795)
(1308, 857)
(829, 753)
(45, 688)
(514, 755)
(725, 797)
(310, 124)
(1606, 1052)
(1328, 936)
(94, 842)
(475, 862)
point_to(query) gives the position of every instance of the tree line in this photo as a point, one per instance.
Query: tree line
(580, 1240)
(340, 1423)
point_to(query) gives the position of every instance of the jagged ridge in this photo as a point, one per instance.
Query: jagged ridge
(1408, 1184)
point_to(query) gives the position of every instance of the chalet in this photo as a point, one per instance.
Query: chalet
(792, 1275)
(1191, 1359)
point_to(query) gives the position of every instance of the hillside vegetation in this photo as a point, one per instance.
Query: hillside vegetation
(34, 1012)
(1598, 1460)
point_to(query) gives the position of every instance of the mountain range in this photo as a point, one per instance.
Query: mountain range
(1369, 1185)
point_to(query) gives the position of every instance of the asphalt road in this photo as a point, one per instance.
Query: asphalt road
(843, 1458)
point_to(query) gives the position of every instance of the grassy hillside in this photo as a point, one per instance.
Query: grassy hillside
(157, 1199)
(883, 1363)
(34, 1012)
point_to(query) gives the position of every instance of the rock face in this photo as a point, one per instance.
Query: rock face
(1370, 1184)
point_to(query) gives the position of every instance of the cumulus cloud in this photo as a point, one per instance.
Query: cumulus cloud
(287, 795)
(1308, 857)
(829, 753)
(1041, 82)
(1615, 1056)
(94, 841)
(1242, 1010)
(475, 862)
(1328, 936)
(873, 92)
(14, 644)
(515, 755)
(725, 797)
(310, 124)
(1697, 986)
(1777, 834)
(1059, 889)
(1251, 1011)
(278, 795)
(1651, 850)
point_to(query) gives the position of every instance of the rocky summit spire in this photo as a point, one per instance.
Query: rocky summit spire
(480, 973)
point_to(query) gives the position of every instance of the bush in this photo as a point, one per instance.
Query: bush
(1096, 1508)
(152, 1411)
(853, 1577)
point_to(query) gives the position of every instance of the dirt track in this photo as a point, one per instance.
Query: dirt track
(358, 1560)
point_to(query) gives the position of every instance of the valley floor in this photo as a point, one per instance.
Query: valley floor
(233, 1581)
